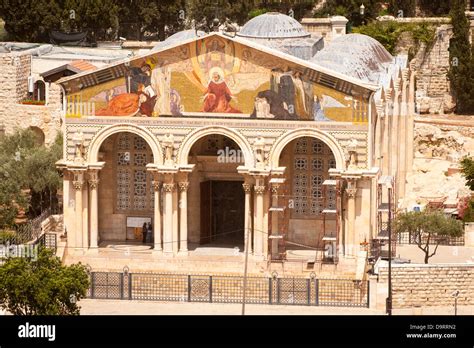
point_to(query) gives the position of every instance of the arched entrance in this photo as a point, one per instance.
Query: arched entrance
(125, 195)
(310, 222)
(216, 196)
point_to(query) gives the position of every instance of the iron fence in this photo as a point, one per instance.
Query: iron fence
(412, 238)
(229, 289)
(48, 240)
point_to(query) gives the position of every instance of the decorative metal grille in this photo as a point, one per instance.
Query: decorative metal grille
(342, 292)
(293, 291)
(301, 163)
(159, 287)
(134, 189)
(310, 194)
(228, 289)
(106, 285)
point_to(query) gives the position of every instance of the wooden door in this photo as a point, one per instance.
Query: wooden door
(206, 192)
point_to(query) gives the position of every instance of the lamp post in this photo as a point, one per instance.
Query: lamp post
(362, 12)
(455, 295)
(389, 229)
(246, 246)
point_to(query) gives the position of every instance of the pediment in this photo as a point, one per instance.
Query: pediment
(218, 75)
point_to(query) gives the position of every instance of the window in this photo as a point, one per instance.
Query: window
(134, 189)
(310, 170)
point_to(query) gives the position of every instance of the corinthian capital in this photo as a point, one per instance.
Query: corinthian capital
(183, 186)
(169, 187)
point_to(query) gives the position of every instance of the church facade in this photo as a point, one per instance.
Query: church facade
(262, 141)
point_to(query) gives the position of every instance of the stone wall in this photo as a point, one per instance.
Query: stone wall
(14, 72)
(431, 64)
(430, 285)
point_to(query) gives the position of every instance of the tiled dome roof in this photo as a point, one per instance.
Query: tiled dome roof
(355, 55)
(273, 25)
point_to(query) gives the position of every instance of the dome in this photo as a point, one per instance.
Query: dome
(355, 55)
(273, 25)
(179, 36)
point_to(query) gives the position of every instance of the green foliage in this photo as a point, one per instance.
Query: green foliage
(467, 170)
(388, 33)
(97, 17)
(43, 286)
(426, 226)
(257, 12)
(434, 8)
(3, 32)
(469, 212)
(402, 8)
(22, 25)
(140, 19)
(461, 56)
(7, 236)
(351, 10)
(28, 176)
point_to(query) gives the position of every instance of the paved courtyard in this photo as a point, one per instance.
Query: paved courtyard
(122, 307)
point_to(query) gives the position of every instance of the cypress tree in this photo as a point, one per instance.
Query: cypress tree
(461, 73)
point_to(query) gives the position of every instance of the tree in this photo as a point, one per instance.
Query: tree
(28, 175)
(426, 227)
(467, 170)
(351, 10)
(30, 20)
(98, 17)
(407, 8)
(434, 8)
(42, 286)
(33, 20)
(461, 56)
(237, 11)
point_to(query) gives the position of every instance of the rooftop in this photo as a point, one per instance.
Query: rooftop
(273, 25)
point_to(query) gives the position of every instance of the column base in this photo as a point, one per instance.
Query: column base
(93, 251)
(256, 257)
(168, 253)
(157, 252)
(183, 253)
(79, 251)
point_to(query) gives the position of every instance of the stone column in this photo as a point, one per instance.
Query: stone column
(394, 135)
(386, 132)
(168, 218)
(248, 217)
(351, 238)
(94, 213)
(175, 221)
(275, 227)
(410, 123)
(259, 234)
(78, 185)
(403, 137)
(157, 217)
(183, 217)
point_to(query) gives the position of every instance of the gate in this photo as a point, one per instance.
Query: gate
(106, 285)
(293, 291)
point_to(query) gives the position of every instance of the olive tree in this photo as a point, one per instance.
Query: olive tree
(428, 228)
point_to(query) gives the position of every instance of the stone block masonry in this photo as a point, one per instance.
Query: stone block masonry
(429, 285)
(15, 68)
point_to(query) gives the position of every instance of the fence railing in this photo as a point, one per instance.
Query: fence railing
(48, 240)
(229, 289)
(409, 238)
